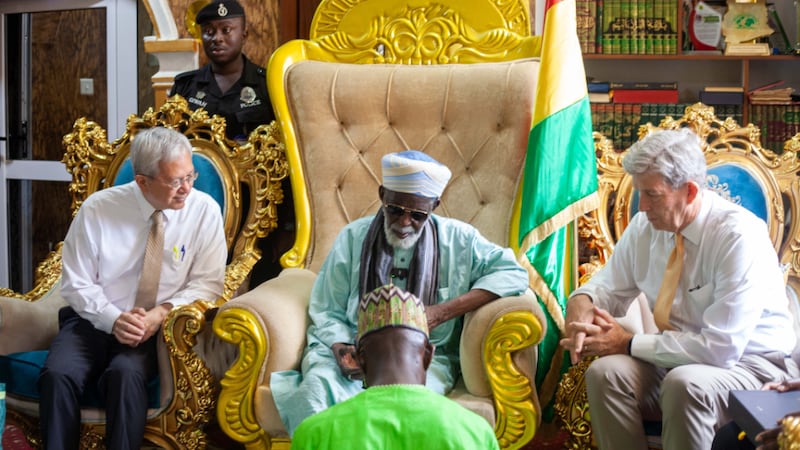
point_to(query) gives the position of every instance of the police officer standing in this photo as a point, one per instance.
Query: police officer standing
(233, 87)
(230, 85)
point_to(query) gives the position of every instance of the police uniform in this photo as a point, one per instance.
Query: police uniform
(245, 106)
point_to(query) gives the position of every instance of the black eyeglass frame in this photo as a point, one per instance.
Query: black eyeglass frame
(416, 215)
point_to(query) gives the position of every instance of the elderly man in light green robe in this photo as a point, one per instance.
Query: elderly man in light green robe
(445, 262)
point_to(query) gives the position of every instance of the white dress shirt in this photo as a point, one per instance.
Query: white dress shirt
(731, 299)
(103, 253)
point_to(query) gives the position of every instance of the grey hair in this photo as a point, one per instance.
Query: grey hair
(676, 155)
(154, 145)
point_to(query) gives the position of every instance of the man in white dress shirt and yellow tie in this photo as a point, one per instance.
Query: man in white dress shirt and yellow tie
(107, 334)
(724, 320)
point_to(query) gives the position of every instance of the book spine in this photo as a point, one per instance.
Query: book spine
(615, 28)
(651, 85)
(661, 112)
(793, 122)
(599, 25)
(617, 134)
(606, 120)
(648, 113)
(607, 11)
(582, 23)
(625, 126)
(623, 19)
(645, 96)
(591, 30)
(772, 125)
(659, 21)
(671, 46)
(640, 26)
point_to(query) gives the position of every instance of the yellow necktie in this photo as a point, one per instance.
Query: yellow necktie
(153, 259)
(666, 295)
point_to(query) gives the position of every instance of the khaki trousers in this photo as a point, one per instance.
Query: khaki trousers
(691, 400)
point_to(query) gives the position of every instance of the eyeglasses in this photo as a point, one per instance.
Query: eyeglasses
(176, 183)
(399, 211)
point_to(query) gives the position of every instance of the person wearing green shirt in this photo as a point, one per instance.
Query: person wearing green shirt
(396, 411)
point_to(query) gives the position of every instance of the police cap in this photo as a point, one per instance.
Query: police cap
(224, 9)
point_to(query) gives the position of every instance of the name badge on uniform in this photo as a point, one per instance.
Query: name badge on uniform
(248, 95)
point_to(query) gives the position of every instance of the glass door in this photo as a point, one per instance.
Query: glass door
(60, 61)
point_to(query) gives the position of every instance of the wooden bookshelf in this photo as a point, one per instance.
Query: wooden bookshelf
(694, 71)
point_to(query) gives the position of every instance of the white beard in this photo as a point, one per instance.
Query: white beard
(396, 242)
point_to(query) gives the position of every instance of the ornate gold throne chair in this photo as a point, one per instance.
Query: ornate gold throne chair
(452, 78)
(245, 181)
(740, 170)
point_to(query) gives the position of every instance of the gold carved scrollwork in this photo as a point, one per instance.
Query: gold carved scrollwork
(572, 407)
(237, 416)
(331, 13)
(262, 162)
(87, 155)
(512, 390)
(195, 387)
(432, 34)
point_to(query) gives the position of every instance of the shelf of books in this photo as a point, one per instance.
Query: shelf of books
(620, 122)
(643, 62)
(634, 27)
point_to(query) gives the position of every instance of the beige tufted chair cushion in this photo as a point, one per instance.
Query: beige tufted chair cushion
(474, 118)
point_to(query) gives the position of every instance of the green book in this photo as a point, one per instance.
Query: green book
(658, 27)
(671, 44)
(599, 26)
(623, 21)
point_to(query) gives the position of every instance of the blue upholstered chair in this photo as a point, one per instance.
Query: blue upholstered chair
(245, 181)
(740, 170)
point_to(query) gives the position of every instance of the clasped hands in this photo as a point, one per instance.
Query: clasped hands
(137, 325)
(591, 331)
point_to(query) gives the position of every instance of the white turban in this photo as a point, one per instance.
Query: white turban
(414, 172)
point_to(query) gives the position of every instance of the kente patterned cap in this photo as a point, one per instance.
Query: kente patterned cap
(414, 172)
(225, 9)
(390, 306)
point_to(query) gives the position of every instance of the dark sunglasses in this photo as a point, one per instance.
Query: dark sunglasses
(399, 211)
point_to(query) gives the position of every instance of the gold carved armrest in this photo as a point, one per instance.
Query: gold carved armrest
(268, 324)
(194, 389)
(498, 359)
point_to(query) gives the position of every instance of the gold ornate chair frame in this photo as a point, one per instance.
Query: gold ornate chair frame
(725, 143)
(190, 361)
(379, 36)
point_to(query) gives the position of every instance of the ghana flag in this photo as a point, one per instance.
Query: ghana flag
(559, 184)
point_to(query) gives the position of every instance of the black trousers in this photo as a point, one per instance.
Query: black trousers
(727, 438)
(80, 355)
